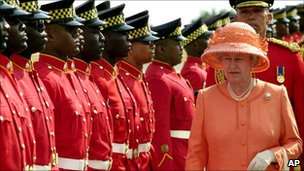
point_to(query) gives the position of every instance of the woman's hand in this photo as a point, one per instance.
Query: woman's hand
(262, 160)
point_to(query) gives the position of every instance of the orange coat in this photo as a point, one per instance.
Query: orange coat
(227, 134)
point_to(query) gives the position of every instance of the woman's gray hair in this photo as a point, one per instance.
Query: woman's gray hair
(254, 60)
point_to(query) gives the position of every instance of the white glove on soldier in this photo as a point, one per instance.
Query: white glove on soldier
(262, 160)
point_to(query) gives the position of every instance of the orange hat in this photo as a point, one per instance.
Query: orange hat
(240, 39)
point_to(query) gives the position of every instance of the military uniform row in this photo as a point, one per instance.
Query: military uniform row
(73, 109)
(74, 114)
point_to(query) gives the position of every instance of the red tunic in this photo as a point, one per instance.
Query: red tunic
(135, 81)
(101, 123)
(12, 144)
(27, 127)
(174, 109)
(41, 107)
(70, 117)
(194, 73)
(124, 114)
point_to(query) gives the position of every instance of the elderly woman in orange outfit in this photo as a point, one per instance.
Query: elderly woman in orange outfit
(243, 123)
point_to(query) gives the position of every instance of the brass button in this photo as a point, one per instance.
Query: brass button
(47, 104)
(33, 109)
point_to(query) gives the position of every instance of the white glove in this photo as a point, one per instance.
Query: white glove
(262, 160)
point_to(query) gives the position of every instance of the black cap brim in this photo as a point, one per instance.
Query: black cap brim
(153, 32)
(283, 20)
(94, 23)
(180, 38)
(5, 7)
(79, 19)
(122, 28)
(39, 15)
(17, 12)
(71, 23)
(148, 38)
(294, 18)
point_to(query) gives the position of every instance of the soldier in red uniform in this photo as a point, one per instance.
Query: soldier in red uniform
(130, 72)
(118, 96)
(294, 25)
(101, 126)
(70, 113)
(300, 9)
(17, 43)
(34, 91)
(173, 100)
(197, 35)
(286, 65)
(281, 24)
(12, 111)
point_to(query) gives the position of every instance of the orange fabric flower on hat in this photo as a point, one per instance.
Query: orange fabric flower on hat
(240, 39)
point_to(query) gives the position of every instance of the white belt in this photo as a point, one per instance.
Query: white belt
(182, 134)
(132, 153)
(71, 164)
(119, 148)
(129, 152)
(42, 167)
(100, 164)
(144, 147)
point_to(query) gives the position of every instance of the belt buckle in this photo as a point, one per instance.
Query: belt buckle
(126, 149)
(135, 153)
(54, 159)
(110, 164)
(28, 168)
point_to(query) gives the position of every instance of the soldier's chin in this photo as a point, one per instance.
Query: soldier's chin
(3, 46)
(76, 52)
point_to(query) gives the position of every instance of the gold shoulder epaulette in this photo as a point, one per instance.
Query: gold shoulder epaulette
(294, 47)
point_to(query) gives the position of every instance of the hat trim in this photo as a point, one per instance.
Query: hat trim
(226, 21)
(210, 55)
(176, 32)
(13, 3)
(139, 32)
(216, 24)
(253, 3)
(59, 14)
(292, 13)
(195, 34)
(113, 21)
(280, 16)
(89, 15)
(29, 6)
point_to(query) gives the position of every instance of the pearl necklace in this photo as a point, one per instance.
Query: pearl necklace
(246, 93)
